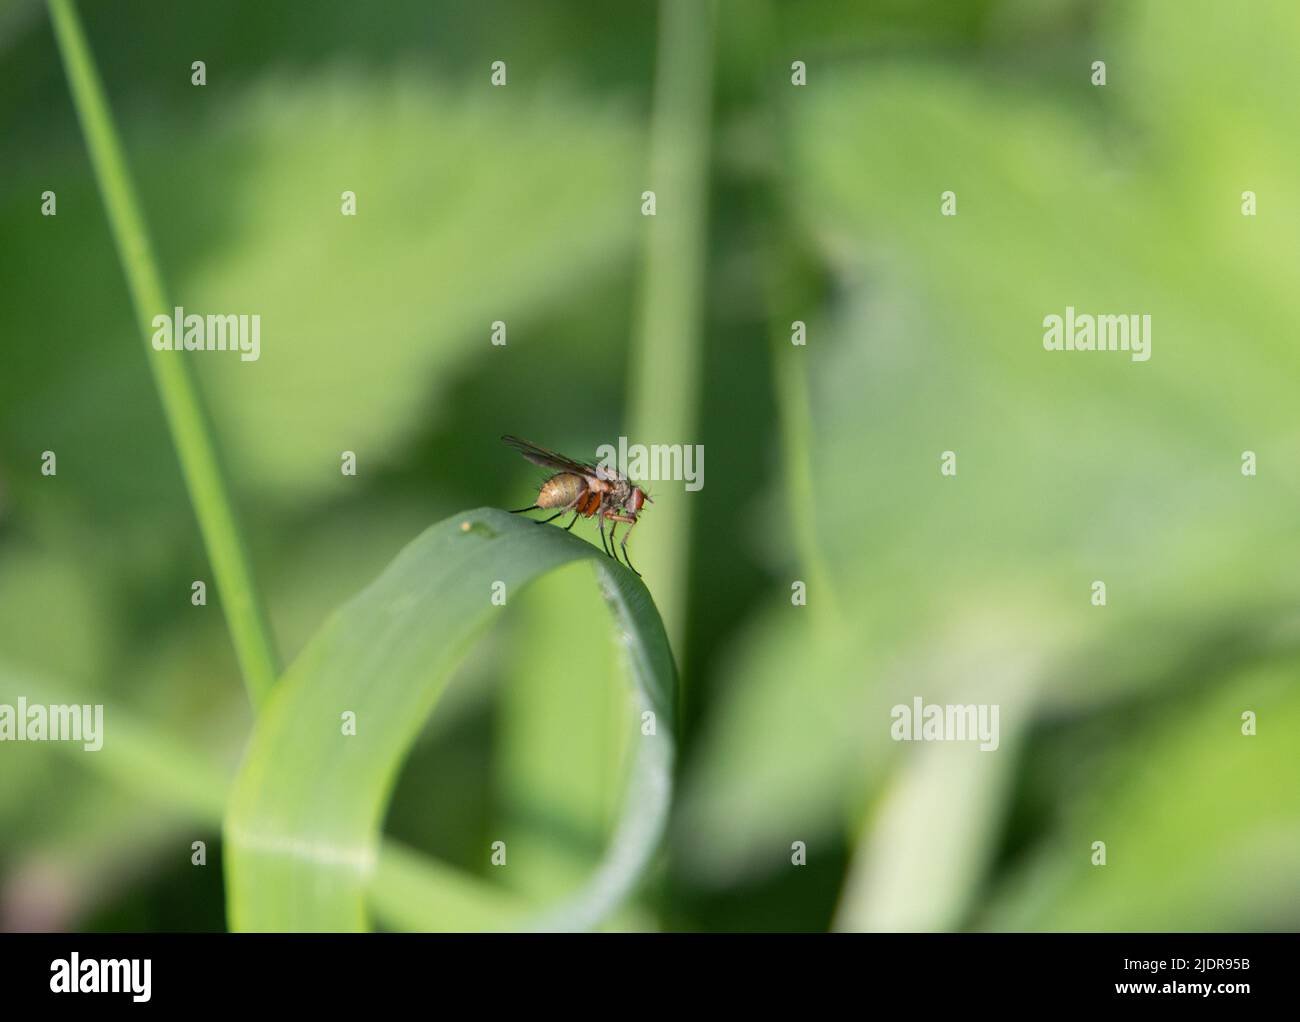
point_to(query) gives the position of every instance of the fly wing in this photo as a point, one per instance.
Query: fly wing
(550, 459)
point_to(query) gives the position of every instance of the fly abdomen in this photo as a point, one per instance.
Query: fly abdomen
(561, 490)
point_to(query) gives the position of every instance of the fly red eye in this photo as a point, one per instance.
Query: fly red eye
(638, 498)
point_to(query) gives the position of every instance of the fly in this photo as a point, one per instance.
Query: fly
(585, 489)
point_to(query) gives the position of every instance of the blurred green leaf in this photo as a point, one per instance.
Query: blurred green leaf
(781, 758)
(1201, 823)
(138, 757)
(32, 575)
(375, 310)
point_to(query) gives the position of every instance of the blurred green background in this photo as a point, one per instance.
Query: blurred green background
(775, 203)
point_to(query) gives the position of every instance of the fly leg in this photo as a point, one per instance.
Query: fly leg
(543, 521)
(602, 537)
(623, 546)
(631, 520)
(519, 511)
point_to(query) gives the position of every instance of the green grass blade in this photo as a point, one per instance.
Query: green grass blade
(302, 831)
(667, 355)
(190, 431)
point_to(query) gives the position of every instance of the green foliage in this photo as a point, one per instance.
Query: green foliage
(776, 203)
(1072, 467)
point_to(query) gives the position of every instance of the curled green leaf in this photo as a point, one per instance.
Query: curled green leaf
(302, 830)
